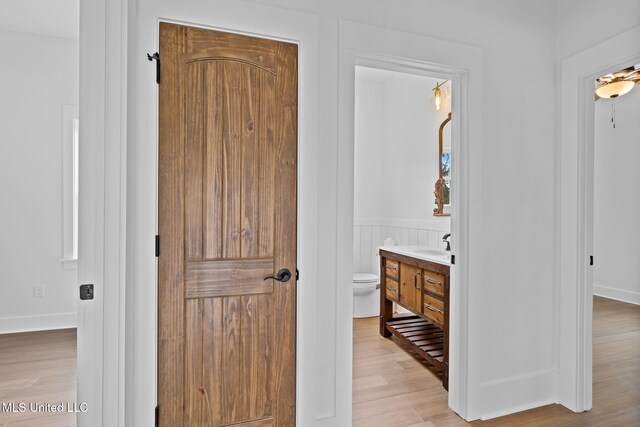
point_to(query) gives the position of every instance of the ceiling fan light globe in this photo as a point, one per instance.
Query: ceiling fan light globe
(615, 89)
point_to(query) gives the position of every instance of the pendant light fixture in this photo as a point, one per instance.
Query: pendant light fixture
(438, 95)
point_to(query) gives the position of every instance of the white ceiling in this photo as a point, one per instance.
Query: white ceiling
(54, 18)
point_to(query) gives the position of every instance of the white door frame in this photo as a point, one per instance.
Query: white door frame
(103, 81)
(575, 211)
(393, 50)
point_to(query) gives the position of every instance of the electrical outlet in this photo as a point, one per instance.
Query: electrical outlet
(38, 291)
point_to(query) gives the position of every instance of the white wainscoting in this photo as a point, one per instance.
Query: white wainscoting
(369, 235)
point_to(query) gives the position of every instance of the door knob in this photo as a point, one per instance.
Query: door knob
(283, 275)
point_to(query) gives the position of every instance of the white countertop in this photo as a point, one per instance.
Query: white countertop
(421, 252)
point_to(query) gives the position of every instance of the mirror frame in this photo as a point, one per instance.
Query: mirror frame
(439, 201)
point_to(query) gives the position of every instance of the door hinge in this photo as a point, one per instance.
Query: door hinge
(157, 416)
(591, 260)
(453, 259)
(297, 274)
(157, 245)
(156, 57)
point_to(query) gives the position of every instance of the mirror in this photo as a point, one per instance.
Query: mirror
(443, 184)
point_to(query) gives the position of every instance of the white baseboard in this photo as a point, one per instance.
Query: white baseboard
(10, 325)
(519, 393)
(616, 294)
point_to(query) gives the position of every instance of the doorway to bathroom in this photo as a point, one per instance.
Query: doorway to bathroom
(462, 65)
(401, 248)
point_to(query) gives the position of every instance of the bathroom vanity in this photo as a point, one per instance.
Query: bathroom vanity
(418, 280)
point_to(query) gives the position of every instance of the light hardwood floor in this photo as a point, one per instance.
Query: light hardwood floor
(394, 388)
(391, 387)
(38, 367)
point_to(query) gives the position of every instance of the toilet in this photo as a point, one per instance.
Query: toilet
(366, 295)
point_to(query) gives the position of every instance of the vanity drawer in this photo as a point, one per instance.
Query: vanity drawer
(391, 287)
(434, 309)
(391, 268)
(434, 282)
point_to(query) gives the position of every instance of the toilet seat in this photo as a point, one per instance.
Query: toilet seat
(365, 281)
(365, 277)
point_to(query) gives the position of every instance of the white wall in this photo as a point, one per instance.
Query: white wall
(39, 76)
(396, 163)
(369, 142)
(517, 142)
(410, 151)
(581, 24)
(616, 234)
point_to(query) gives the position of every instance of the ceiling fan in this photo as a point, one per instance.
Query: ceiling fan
(618, 83)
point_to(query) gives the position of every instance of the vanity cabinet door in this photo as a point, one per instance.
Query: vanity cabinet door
(411, 286)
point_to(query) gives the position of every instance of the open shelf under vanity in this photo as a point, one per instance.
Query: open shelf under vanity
(424, 337)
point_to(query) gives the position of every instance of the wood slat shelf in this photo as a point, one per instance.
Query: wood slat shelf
(424, 337)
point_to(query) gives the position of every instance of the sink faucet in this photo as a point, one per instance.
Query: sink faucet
(444, 239)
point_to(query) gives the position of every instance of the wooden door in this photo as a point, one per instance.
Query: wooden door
(410, 287)
(227, 220)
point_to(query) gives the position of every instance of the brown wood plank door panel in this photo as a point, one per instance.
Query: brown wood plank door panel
(410, 286)
(227, 219)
